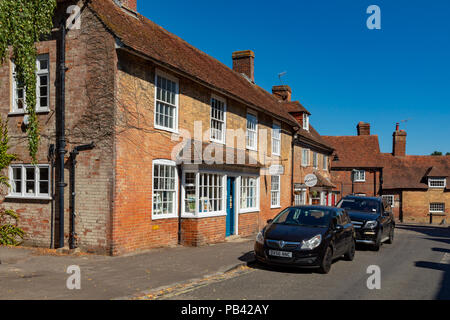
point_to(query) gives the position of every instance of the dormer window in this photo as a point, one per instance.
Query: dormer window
(306, 121)
(437, 182)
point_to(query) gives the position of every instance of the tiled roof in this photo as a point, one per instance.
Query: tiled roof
(141, 35)
(411, 172)
(355, 151)
(294, 106)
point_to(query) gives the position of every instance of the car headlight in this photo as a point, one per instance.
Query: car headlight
(260, 238)
(371, 224)
(312, 243)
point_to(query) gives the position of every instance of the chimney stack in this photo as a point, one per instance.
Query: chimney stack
(363, 129)
(282, 93)
(399, 142)
(244, 62)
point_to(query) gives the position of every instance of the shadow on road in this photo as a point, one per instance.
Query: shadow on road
(249, 258)
(441, 235)
(444, 292)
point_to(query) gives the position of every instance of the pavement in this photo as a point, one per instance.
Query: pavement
(27, 273)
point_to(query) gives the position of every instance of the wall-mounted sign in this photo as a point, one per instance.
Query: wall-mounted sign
(276, 170)
(311, 180)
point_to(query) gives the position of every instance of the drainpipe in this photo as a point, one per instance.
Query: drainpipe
(61, 136)
(294, 137)
(180, 179)
(73, 161)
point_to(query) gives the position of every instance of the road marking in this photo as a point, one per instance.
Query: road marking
(179, 289)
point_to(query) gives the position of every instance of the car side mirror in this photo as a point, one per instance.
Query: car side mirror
(269, 221)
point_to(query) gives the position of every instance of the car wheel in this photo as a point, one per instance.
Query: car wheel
(377, 245)
(350, 255)
(327, 259)
(391, 235)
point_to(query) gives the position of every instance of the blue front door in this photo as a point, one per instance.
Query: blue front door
(230, 206)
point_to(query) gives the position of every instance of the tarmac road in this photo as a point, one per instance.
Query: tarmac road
(416, 266)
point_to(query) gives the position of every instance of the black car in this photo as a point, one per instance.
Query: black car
(372, 219)
(306, 236)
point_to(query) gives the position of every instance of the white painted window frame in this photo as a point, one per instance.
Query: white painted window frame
(256, 207)
(163, 74)
(357, 177)
(325, 162)
(276, 127)
(437, 211)
(39, 72)
(305, 121)
(253, 114)
(431, 180)
(24, 195)
(170, 163)
(224, 121)
(277, 205)
(306, 160)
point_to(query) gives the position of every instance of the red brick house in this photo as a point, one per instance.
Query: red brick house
(416, 186)
(186, 151)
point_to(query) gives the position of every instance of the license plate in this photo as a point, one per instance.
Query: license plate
(282, 254)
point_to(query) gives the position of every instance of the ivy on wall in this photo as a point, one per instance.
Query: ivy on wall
(22, 24)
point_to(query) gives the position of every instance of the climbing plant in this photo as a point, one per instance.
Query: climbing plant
(10, 232)
(22, 24)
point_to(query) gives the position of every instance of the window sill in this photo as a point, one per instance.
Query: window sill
(217, 141)
(251, 148)
(275, 207)
(17, 197)
(162, 216)
(167, 129)
(203, 215)
(20, 113)
(249, 210)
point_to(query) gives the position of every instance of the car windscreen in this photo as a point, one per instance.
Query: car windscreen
(309, 217)
(361, 205)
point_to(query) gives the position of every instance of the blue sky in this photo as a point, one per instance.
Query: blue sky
(341, 71)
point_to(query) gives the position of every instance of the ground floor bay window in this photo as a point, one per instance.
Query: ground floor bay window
(205, 194)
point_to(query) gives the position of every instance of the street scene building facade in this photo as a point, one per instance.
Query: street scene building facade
(181, 148)
(416, 187)
(184, 149)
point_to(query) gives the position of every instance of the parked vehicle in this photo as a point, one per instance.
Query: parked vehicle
(306, 236)
(372, 218)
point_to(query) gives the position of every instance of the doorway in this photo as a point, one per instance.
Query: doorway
(230, 221)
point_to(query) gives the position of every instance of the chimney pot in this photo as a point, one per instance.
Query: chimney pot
(244, 62)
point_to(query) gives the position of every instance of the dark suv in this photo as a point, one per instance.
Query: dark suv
(306, 236)
(372, 219)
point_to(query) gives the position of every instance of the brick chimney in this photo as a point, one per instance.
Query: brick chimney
(129, 4)
(363, 129)
(283, 93)
(244, 62)
(399, 142)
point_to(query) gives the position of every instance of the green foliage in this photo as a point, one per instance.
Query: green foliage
(437, 153)
(10, 233)
(22, 24)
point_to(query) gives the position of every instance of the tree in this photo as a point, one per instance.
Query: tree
(10, 233)
(437, 153)
(22, 24)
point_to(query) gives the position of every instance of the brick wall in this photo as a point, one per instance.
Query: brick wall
(89, 93)
(416, 204)
(343, 181)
